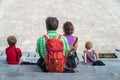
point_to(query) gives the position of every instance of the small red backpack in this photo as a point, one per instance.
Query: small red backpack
(54, 60)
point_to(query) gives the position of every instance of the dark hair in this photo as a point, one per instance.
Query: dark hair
(52, 23)
(11, 40)
(68, 28)
(88, 45)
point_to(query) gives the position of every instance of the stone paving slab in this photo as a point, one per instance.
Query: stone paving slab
(114, 68)
(111, 64)
(8, 69)
(101, 69)
(58, 76)
(85, 69)
(29, 68)
(30, 76)
(94, 20)
(86, 72)
(116, 76)
(86, 76)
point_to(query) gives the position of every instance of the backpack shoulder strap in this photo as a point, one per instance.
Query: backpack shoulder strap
(46, 37)
(75, 41)
(59, 36)
(16, 54)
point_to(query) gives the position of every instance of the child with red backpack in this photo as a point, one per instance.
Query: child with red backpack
(13, 54)
(52, 48)
(73, 43)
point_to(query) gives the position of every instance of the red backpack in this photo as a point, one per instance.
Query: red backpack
(54, 60)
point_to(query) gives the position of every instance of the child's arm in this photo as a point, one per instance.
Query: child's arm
(75, 45)
(96, 55)
(85, 58)
(68, 53)
(76, 42)
(72, 48)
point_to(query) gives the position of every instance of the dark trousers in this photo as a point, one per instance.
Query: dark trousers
(41, 64)
(71, 62)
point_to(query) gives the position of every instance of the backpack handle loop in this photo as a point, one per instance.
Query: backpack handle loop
(46, 37)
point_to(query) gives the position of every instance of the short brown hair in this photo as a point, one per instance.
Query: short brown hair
(68, 28)
(11, 40)
(52, 23)
(88, 45)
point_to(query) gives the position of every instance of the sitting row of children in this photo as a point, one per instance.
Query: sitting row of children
(14, 54)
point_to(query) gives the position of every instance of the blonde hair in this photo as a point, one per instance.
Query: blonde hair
(88, 45)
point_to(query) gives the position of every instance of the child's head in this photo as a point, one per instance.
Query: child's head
(88, 45)
(68, 28)
(11, 40)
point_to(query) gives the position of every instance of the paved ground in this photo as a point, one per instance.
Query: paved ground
(94, 20)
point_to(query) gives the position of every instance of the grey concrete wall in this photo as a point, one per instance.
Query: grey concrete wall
(94, 20)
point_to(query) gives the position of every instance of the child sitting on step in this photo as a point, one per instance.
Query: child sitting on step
(13, 54)
(89, 53)
(73, 43)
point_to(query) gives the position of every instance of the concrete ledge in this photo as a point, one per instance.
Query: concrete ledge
(58, 76)
(110, 71)
(118, 49)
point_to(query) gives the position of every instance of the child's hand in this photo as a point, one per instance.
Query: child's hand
(68, 53)
(73, 48)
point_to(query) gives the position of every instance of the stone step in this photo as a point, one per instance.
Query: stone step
(80, 68)
(118, 49)
(57, 76)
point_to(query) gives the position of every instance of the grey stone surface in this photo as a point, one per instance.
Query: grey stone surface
(109, 72)
(116, 76)
(101, 69)
(31, 76)
(86, 72)
(96, 21)
(29, 68)
(86, 69)
(58, 76)
(118, 49)
(6, 69)
(112, 62)
(114, 70)
(2, 76)
(85, 76)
